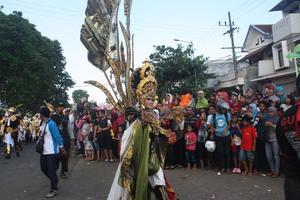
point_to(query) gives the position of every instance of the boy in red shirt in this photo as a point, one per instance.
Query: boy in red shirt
(190, 147)
(247, 145)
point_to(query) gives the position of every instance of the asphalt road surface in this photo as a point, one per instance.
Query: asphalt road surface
(22, 179)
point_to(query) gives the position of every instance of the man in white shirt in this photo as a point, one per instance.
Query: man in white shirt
(53, 146)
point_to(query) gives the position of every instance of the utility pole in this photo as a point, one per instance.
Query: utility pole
(231, 30)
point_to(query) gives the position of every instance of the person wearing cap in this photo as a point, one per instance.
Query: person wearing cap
(11, 130)
(288, 135)
(220, 124)
(53, 148)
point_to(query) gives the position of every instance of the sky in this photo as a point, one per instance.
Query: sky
(153, 22)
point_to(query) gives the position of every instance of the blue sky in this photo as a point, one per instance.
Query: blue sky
(154, 22)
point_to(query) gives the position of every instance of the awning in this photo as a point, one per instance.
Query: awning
(276, 75)
(253, 53)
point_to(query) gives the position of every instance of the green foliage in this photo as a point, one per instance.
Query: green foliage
(177, 70)
(78, 94)
(32, 66)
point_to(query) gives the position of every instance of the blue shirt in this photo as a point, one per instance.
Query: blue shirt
(221, 123)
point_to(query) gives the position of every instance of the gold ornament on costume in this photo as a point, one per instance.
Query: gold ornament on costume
(12, 109)
(49, 106)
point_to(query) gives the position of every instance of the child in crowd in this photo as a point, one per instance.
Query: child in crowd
(190, 147)
(202, 136)
(85, 135)
(247, 145)
(119, 137)
(236, 138)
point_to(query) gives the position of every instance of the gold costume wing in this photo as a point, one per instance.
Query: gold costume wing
(100, 35)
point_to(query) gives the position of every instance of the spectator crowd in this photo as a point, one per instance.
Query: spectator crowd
(230, 132)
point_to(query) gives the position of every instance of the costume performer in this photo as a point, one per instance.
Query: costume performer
(143, 147)
(144, 142)
(11, 130)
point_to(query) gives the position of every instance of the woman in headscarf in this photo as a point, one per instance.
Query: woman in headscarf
(168, 100)
(280, 94)
(250, 96)
(202, 102)
(272, 148)
(253, 112)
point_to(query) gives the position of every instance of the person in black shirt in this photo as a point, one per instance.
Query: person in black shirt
(288, 135)
(103, 135)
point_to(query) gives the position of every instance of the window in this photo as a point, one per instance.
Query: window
(257, 43)
(280, 57)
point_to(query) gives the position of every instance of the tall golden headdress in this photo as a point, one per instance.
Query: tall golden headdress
(100, 35)
(147, 86)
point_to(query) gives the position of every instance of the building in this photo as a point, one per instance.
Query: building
(286, 35)
(268, 47)
(259, 59)
(225, 76)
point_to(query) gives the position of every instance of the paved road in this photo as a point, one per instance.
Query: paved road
(21, 179)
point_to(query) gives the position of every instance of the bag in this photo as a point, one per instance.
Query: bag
(39, 147)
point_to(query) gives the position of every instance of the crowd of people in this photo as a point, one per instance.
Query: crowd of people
(228, 131)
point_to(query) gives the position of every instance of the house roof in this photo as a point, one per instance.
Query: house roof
(264, 29)
(285, 4)
(255, 52)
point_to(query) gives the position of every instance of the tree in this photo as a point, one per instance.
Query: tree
(32, 66)
(176, 69)
(78, 94)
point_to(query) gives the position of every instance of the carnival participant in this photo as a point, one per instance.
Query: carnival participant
(142, 147)
(11, 129)
(288, 134)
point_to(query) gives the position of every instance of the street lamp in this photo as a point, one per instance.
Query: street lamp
(192, 46)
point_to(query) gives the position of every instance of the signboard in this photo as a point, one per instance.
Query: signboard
(295, 55)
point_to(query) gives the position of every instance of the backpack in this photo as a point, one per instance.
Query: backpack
(214, 119)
